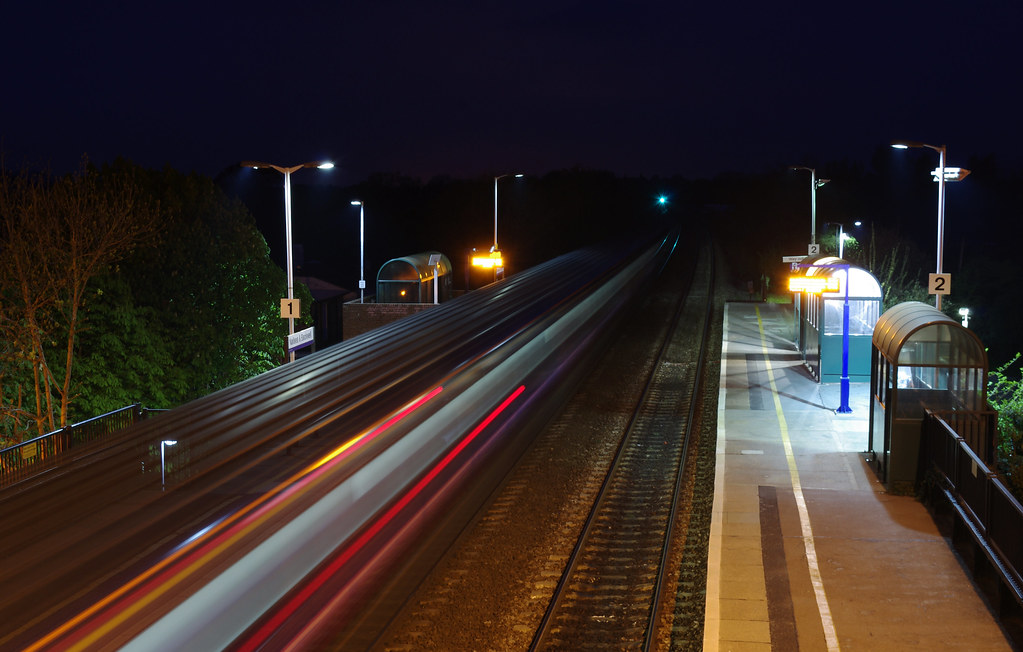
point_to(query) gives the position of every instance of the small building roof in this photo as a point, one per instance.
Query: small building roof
(415, 267)
(862, 283)
(945, 342)
(321, 289)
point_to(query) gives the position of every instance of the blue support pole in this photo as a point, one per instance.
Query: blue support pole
(844, 408)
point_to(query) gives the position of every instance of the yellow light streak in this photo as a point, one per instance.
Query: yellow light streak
(277, 492)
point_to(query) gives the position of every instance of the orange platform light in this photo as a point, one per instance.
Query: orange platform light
(490, 261)
(814, 284)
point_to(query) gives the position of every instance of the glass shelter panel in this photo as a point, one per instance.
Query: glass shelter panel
(863, 314)
(928, 346)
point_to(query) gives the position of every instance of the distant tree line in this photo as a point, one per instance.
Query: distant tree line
(757, 219)
(120, 284)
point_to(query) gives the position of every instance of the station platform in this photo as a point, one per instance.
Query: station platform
(807, 550)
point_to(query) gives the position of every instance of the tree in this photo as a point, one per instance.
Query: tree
(58, 236)
(183, 310)
(190, 316)
(25, 301)
(121, 358)
(894, 271)
(211, 287)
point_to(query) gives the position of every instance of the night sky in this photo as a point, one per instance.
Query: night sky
(479, 88)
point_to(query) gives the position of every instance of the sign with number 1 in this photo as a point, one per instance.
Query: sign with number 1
(290, 308)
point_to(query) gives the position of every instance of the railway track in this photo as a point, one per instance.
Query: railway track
(614, 583)
(592, 542)
(333, 468)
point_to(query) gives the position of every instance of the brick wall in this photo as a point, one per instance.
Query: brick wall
(357, 318)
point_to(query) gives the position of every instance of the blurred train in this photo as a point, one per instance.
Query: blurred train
(302, 505)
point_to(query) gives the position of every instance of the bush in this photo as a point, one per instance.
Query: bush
(1005, 394)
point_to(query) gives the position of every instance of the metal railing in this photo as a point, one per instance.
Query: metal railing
(31, 457)
(987, 520)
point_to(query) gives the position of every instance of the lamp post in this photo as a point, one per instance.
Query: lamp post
(163, 468)
(496, 179)
(286, 171)
(940, 173)
(965, 314)
(362, 240)
(843, 236)
(815, 183)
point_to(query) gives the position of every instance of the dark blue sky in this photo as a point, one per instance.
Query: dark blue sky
(477, 88)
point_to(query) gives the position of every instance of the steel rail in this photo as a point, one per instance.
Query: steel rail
(543, 631)
(690, 421)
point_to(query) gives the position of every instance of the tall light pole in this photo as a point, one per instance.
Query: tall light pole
(940, 172)
(286, 171)
(843, 236)
(815, 183)
(496, 179)
(362, 240)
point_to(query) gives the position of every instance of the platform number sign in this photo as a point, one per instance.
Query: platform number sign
(939, 283)
(290, 308)
(813, 250)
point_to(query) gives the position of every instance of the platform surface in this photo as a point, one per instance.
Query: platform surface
(807, 550)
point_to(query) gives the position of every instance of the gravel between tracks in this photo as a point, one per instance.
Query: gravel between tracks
(490, 591)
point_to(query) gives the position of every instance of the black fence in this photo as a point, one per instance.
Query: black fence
(29, 458)
(976, 508)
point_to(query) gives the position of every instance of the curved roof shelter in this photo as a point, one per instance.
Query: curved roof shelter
(915, 333)
(820, 318)
(415, 267)
(862, 284)
(922, 360)
(410, 279)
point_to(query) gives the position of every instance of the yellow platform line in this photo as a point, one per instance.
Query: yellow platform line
(804, 517)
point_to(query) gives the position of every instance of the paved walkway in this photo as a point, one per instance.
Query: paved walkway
(807, 551)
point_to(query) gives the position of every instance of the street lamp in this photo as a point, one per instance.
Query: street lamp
(815, 183)
(965, 314)
(362, 240)
(163, 468)
(843, 236)
(940, 174)
(517, 176)
(286, 171)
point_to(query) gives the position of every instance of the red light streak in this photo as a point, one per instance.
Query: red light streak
(285, 612)
(190, 559)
